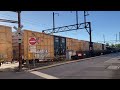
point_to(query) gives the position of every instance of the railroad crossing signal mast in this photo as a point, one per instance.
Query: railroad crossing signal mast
(19, 29)
(85, 25)
(19, 38)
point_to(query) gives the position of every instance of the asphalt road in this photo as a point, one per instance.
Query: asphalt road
(94, 68)
(18, 75)
(88, 69)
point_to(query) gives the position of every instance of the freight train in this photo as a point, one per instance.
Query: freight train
(6, 50)
(42, 46)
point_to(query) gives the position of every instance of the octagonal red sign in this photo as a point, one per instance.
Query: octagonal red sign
(32, 41)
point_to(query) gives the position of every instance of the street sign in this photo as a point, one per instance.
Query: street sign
(32, 41)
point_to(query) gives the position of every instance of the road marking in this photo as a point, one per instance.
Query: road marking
(43, 75)
(113, 67)
(113, 60)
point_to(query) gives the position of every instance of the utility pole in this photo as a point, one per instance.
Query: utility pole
(77, 18)
(54, 21)
(85, 18)
(119, 36)
(91, 44)
(89, 32)
(104, 38)
(19, 29)
(116, 37)
(85, 14)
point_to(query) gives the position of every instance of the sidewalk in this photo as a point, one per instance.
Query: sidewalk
(8, 66)
(112, 64)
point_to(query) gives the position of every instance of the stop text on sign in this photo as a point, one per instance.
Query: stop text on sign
(32, 41)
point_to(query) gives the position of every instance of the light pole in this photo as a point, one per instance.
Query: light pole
(54, 20)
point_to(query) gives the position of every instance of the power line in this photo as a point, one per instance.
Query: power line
(25, 20)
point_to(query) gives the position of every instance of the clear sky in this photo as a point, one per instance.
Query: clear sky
(103, 22)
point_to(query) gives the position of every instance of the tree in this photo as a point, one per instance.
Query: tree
(117, 45)
(112, 46)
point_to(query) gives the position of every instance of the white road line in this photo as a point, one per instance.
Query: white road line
(43, 75)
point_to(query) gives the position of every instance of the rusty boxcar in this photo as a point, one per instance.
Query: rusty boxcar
(6, 50)
(35, 45)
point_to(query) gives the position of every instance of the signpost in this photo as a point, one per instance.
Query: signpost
(19, 29)
(19, 38)
(32, 47)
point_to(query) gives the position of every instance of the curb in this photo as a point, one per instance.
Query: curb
(54, 65)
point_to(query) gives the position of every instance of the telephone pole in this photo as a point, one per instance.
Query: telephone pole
(91, 43)
(54, 21)
(104, 38)
(19, 30)
(116, 37)
(119, 36)
(77, 18)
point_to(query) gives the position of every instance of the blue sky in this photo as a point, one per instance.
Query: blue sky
(103, 22)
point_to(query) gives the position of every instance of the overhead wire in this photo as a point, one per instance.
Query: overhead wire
(32, 23)
(24, 21)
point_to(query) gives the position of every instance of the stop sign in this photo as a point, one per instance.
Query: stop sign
(32, 40)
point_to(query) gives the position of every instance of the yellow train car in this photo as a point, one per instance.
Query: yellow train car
(6, 50)
(35, 45)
